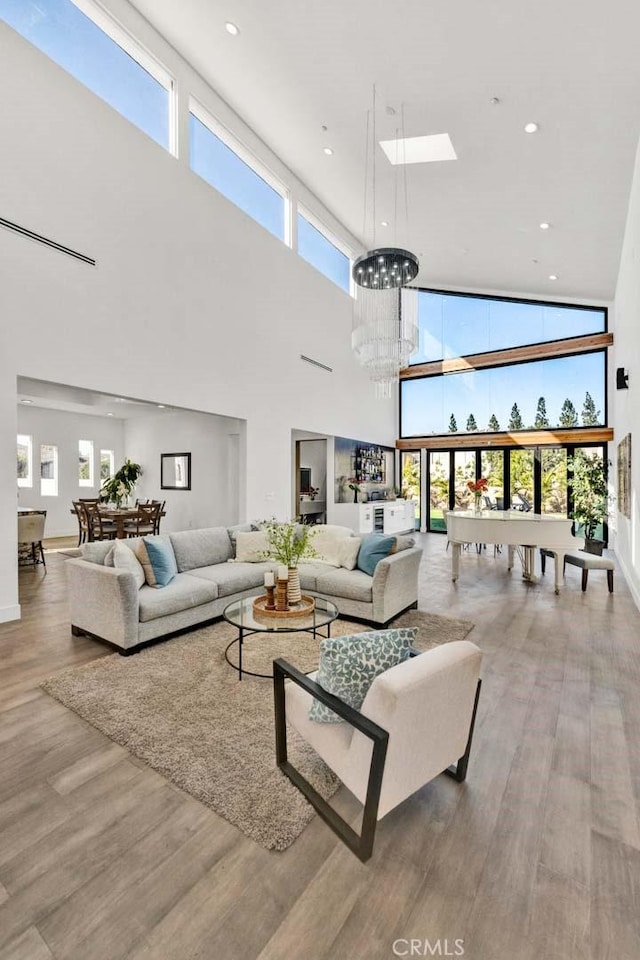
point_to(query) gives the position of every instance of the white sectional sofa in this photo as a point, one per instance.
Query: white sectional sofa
(107, 604)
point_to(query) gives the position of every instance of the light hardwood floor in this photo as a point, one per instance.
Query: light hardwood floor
(536, 857)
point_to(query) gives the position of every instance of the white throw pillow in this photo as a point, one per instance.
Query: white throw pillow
(326, 541)
(125, 559)
(348, 549)
(333, 528)
(251, 547)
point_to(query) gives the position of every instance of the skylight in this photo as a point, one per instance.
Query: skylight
(428, 149)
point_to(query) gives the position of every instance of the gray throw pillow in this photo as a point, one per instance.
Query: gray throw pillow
(349, 665)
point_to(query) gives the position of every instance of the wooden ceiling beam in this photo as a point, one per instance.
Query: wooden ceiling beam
(535, 351)
(520, 438)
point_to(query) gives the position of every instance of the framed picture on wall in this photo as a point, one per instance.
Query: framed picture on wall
(624, 476)
(175, 471)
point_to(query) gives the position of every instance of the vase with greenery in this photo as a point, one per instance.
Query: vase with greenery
(289, 543)
(587, 481)
(118, 488)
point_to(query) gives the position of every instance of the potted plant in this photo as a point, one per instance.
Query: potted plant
(289, 543)
(118, 488)
(587, 481)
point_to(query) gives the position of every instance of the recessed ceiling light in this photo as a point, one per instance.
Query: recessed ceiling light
(531, 127)
(328, 151)
(553, 276)
(161, 406)
(232, 28)
(545, 226)
(26, 401)
(109, 414)
(384, 223)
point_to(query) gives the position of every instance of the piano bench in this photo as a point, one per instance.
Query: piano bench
(589, 561)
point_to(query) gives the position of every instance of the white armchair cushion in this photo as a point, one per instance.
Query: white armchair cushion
(330, 740)
(426, 705)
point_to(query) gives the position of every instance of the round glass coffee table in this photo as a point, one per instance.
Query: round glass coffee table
(240, 613)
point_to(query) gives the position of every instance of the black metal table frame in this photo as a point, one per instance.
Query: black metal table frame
(245, 632)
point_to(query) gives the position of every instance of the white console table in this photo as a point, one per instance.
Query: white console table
(307, 508)
(387, 516)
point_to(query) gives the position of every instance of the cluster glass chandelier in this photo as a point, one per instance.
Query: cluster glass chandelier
(385, 334)
(385, 325)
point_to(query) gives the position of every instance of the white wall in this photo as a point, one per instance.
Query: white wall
(210, 502)
(64, 430)
(625, 404)
(191, 304)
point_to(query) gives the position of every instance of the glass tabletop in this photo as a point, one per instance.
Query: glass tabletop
(241, 614)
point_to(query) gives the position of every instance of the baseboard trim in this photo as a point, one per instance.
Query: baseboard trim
(10, 613)
(628, 575)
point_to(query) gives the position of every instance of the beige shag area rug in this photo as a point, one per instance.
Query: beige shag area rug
(180, 707)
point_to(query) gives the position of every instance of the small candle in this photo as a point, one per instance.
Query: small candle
(269, 579)
(283, 573)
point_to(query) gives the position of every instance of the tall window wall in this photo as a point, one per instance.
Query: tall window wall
(513, 374)
(506, 390)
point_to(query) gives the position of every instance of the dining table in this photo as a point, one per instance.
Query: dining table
(120, 515)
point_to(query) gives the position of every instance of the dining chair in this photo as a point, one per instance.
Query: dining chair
(98, 527)
(144, 524)
(161, 505)
(83, 525)
(30, 535)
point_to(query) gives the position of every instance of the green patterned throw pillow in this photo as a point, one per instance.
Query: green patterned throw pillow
(349, 665)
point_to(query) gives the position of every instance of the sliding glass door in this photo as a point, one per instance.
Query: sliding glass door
(526, 479)
(411, 480)
(439, 469)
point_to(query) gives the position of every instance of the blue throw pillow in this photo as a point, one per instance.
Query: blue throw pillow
(349, 665)
(374, 548)
(158, 560)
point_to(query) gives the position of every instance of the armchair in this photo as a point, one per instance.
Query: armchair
(416, 722)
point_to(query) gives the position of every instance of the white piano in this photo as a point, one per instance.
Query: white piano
(524, 532)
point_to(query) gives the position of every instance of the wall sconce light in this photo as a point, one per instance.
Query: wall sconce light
(622, 379)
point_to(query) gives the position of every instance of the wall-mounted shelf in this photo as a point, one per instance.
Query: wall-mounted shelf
(370, 465)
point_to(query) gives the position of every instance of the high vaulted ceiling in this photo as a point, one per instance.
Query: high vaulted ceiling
(571, 66)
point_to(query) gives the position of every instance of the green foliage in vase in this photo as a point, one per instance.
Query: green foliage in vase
(588, 484)
(289, 542)
(120, 485)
